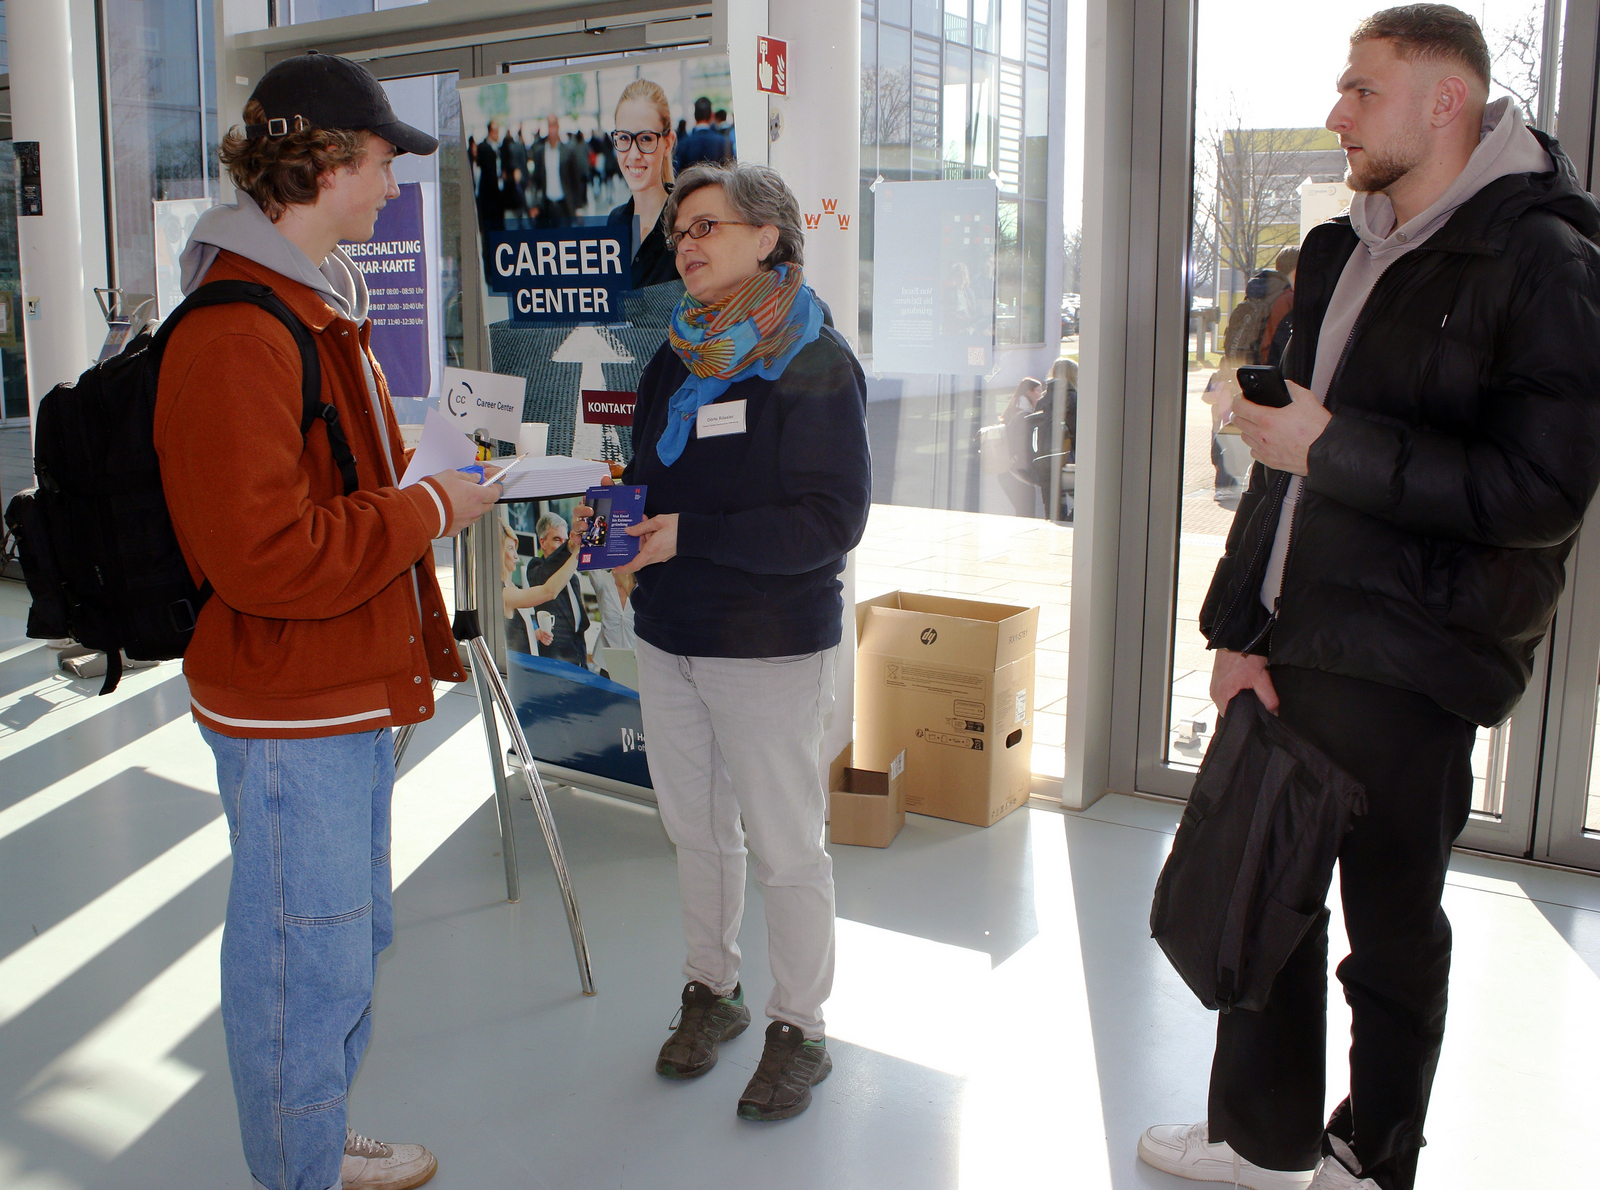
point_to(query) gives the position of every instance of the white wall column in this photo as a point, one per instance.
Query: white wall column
(55, 100)
(742, 22)
(1102, 378)
(818, 152)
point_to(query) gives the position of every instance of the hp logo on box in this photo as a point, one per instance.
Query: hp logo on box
(929, 635)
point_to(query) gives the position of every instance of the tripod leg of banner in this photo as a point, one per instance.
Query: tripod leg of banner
(483, 663)
(502, 788)
(402, 741)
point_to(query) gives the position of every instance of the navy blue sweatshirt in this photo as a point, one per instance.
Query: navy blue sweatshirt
(765, 518)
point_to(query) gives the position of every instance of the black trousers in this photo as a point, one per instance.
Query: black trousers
(1267, 1078)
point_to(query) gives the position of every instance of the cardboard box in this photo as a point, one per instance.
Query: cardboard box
(866, 807)
(950, 683)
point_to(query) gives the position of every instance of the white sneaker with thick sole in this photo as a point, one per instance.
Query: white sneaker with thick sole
(1185, 1150)
(372, 1165)
(1332, 1175)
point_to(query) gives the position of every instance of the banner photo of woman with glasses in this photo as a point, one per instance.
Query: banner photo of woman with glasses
(591, 153)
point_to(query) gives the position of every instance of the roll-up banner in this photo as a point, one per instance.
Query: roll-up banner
(577, 299)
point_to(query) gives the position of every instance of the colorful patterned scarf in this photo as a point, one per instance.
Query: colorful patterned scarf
(754, 331)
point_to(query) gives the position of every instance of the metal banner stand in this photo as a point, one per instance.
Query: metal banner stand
(476, 559)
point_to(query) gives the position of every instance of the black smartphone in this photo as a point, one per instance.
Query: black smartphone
(1263, 384)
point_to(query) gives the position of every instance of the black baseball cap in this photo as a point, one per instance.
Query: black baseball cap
(316, 90)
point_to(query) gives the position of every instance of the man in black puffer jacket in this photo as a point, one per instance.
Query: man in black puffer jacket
(1395, 562)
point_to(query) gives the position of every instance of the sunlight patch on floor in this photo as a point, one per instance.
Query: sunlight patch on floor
(110, 1088)
(1032, 1085)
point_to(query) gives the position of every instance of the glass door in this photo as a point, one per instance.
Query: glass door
(1263, 170)
(1568, 826)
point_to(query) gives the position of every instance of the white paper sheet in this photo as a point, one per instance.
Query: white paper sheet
(442, 448)
(553, 475)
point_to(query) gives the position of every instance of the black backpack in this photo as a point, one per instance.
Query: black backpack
(96, 542)
(1253, 858)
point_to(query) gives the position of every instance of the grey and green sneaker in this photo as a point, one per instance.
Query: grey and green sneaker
(790, 1066)
(703, 1022)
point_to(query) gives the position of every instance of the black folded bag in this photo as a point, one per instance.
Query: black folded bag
(1253, 858)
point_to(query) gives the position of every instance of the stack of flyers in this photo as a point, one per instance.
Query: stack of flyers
(605, 543)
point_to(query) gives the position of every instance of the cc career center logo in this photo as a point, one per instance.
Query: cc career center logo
(459, 399)
(929, 635)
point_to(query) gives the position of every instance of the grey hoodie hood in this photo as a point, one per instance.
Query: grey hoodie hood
(1505, 147)
(244, 229)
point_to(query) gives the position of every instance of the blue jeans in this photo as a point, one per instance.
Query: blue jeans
(309, 910)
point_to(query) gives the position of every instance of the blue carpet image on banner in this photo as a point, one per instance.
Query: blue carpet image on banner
(578, 719)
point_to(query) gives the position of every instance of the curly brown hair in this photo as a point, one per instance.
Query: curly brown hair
(282, 171)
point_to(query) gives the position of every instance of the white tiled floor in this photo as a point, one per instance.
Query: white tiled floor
(1001, 1017)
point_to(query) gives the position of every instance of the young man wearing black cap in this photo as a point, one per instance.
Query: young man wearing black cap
(326, 628)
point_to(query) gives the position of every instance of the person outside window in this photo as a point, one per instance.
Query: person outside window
(326, 626)
(738, 608)
(1394, 565)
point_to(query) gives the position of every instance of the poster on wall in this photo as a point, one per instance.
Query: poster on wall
(577, 298)
(395, 263)
(934, 311)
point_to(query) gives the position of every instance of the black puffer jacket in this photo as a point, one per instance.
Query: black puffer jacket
(1427, 549)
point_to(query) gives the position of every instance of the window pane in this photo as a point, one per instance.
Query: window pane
(157, 151)
(869, 91)
(301, 12)
(957, 84)
(955, 21)
(13, 373)
(985, 114)
(985, 25)
(951, 451)
(926, 107)
(894, 101)
(1011, 28)
(1266, 171)
(1591, 817)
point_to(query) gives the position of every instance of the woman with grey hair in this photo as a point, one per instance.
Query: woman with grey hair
(750, 433)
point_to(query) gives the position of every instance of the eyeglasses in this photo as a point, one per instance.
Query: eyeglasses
(700, 229)
(646, 141)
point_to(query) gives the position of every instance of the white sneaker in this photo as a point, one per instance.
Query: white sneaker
(1185, 1150)
(372, 1165)
(1332, 1175)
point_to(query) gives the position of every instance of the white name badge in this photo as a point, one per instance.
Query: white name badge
(713, 421)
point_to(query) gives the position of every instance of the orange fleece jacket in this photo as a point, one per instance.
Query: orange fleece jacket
(327, 618)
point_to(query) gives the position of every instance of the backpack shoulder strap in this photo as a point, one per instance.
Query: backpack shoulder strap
(312, 407)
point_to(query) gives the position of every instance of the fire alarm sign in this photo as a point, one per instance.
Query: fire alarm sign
(772, 66)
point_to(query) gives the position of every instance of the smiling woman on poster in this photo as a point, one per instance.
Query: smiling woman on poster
(644, 142)
(750, 433)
